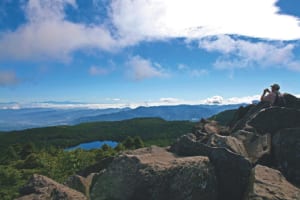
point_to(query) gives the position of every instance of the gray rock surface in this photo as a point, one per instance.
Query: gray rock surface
(155, 173)
(79, 183)
(43, 188)
(269, 184)
(286, 153)
(232, 171)
(257, 146)
(273, 119)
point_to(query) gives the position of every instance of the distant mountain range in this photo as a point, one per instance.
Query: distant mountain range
(18, 119)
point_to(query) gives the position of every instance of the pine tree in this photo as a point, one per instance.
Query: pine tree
(138, 142)
(128, 143)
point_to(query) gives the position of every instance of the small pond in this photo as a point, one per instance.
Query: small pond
(93, 145)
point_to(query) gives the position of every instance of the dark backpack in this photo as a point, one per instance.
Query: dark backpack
(279, 100)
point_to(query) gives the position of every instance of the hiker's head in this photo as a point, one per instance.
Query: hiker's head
(275, 87)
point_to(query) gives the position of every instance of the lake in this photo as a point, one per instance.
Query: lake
(93, 145)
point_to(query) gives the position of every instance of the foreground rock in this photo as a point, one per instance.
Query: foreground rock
(42, 188)
(228, 156)
(80, 183)
(269, 184)
(233, 173)
(286, 153)
(154, 173)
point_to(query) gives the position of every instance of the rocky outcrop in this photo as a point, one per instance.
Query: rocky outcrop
(243, 115)
(269, 184)
(154, 173)
(189, 145)
(273, 119)
(232, 171)
(80, 183)
(258, 135)
(43, 188)
(291, 101)
(286, 153)
(204, 139)
(257, 146)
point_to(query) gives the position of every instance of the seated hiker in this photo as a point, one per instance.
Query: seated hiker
(274, 97)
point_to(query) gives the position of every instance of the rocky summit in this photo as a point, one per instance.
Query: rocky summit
(255, 157)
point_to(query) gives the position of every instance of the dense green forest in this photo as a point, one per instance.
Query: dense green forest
(41, 150)
(151, 130)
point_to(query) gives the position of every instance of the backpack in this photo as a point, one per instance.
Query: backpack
(279, 100)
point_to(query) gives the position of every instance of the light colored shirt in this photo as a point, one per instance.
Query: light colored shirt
(271, 97)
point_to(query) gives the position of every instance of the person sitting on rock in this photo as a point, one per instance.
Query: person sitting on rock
(273, 97)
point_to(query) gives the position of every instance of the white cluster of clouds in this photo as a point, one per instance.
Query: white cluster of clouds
(120, 103)
(143, 19)
(140, 68)
(219, 100)
(214, 100)
(238, 53)
(48, 34)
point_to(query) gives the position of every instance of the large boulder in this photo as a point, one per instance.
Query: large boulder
(247, 143)
(227, 154)
(273, 119)
(202, 144)
(232, 171)
(257, 146)
(189, 145)
(231, 143)
(291, 101)
(244, 114)
(155, 173)
(43, 188)
(286, 153)
(269, 184)
(207, 126)
(80, 183)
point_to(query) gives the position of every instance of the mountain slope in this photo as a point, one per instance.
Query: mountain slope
(170, 113)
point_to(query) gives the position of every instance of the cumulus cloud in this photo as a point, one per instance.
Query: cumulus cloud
(156, 19)
(140, 68)
(212, 22)
(214, 100)
(231, 100)
(8, 78)
(246, 99)
(239, 53)
(48, 35)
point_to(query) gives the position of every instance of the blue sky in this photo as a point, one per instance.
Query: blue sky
(147, 52)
